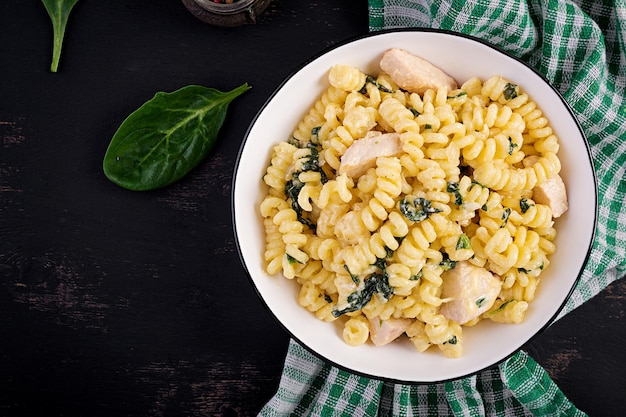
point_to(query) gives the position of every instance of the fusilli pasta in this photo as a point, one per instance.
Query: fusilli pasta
(377, 246)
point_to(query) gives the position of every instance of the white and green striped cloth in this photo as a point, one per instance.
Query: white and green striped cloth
(580, 46)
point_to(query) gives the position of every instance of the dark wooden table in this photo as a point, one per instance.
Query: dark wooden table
(120, 303)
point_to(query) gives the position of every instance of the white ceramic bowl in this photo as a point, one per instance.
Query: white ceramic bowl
(485, 344)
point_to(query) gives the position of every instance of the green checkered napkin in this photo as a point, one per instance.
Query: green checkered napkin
(580, 46)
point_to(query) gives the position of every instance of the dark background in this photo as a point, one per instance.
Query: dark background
(120, 303)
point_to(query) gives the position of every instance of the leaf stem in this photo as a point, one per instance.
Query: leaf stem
(59, 34)
(59, 12)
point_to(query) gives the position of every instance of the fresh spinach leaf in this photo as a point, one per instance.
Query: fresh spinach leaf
(59, 12)
(167, 137)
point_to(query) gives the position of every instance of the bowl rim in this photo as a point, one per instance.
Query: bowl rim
(497, 49)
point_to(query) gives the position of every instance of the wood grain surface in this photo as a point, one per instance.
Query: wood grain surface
(119, 303)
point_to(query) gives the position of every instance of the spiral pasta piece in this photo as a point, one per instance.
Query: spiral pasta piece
(388, 184)
(312, 128)
(346, 77)
(313, 299)
(356, 331)
(281, 161)
(397, 116)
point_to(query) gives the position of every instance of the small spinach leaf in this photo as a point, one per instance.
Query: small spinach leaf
(414, 111)
(510, 91)
(501, 308)
(446, 263)
(371, 80)
(453, 340)
(460, 94)
(417, 210)
(512, 146)
(505, 216)
(453, 187)
(167, 137)
(463, 242)
(59, 12)
(417, 276)
(524, 205)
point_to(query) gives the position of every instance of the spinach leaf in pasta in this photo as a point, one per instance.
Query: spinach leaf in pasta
(505, 216)
(501, 308)
(417, 210)
(372, 80)
(524, 205)
(512, 146)
(460, 94)
(447, 263)
(292, 260)
(292, 190)
(453, 340)
(463, 242)
(295, 185)
(510, 91)
(312, 162)
(417, 276)
(377, 283)
(355, 278)
(453, 187)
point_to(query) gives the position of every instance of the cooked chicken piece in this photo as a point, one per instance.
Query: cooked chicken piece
(383, 332)
(468, 291)
(362, 154)
(413, 73)
(551, 192)
(349, 226)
